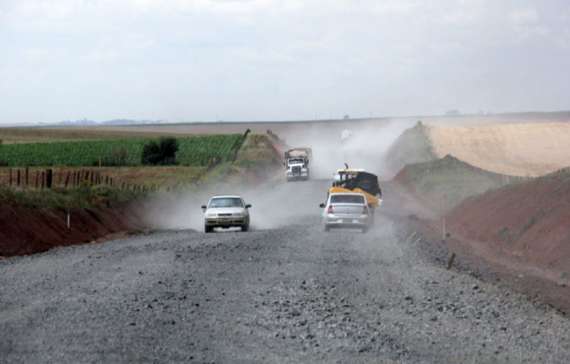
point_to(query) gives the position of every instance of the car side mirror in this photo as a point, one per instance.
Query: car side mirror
(322, 206)
(248, 206)
(203, 207)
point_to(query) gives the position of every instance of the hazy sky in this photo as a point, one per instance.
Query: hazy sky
(190, 60)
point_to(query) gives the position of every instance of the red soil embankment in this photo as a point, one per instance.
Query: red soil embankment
(529, 222)
(25, 230)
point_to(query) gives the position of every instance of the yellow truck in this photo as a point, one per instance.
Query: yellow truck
(358, 180)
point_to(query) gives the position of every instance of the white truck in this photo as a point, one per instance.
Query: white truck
(297, 163)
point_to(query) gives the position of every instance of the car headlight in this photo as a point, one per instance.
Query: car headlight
(211, 214)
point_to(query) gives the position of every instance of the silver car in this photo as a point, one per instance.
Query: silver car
(226, 212)
(346, 210)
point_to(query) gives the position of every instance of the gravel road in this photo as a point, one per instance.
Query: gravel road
(282, 294)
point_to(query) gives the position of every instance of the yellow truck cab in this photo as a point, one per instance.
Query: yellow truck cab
(358, 180)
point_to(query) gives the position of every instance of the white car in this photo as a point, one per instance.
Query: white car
(226, 212)
(346, 210)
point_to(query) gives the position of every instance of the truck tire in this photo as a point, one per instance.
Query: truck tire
(245, 227)
(208, 229)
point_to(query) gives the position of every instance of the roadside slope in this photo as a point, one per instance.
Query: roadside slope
(527, 222)
(25, 230)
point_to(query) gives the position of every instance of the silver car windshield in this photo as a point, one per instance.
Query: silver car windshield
(226, 202)
(347, 199)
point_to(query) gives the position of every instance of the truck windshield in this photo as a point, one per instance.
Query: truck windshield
(226, 202)
(347, 199)
(296, 161)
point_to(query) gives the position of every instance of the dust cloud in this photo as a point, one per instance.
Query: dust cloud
(276, 203)
(360, 145)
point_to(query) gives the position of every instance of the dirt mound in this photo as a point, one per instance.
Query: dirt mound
(413, 146)
(26, 230)
(527, 221)
(519, 149)
(445, 182)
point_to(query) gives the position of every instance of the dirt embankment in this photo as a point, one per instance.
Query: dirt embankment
(27, 230)
(519, 149)
(501, 227)
(257, 160)
(526, 222)
(443, 183)
(412, 146)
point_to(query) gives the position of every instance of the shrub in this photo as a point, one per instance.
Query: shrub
(162, 152)
(168, 149)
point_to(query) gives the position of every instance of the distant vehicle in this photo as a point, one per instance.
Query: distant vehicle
(226, 212)
(297, 163)
(346, 210)
(360, 181)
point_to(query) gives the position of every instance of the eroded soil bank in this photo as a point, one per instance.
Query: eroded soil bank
(27, 230)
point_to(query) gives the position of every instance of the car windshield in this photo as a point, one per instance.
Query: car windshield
(226, 202)
(347, 199)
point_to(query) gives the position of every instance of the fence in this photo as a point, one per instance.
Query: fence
(26, 178)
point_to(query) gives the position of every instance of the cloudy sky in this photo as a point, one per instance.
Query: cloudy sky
(192, 60)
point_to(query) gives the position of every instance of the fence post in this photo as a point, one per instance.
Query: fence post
(27, 176)
(43, 184)
(49, 178)
(37, 179)
(67, 179)
(18, 179)
(10, 177)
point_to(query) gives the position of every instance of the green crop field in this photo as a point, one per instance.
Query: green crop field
(193, 151)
